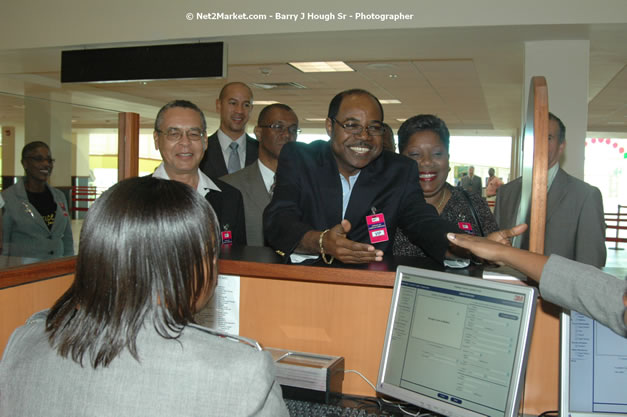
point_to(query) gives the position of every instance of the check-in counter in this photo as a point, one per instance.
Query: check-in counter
(333, 310)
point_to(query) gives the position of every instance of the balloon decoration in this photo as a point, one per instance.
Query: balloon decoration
(606, 141)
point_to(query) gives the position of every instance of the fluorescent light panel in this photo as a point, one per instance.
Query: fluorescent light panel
(322, 66)
(264, 102)
(390, 101)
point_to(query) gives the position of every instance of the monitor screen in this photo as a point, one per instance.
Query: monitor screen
(456, 345)
(593, 369)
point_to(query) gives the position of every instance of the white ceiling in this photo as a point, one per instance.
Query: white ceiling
(471, 77)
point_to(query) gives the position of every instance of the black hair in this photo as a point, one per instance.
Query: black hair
(562, 137)
(264, 112)
(336, 102)
(32, 146)
(147, 254)
(183, 104)
(421, 123)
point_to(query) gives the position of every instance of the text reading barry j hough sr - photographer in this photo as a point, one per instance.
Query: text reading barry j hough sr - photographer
(301, 16)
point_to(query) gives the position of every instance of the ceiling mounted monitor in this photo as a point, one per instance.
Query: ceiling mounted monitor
(144, 63)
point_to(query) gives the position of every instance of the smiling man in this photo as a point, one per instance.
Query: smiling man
(276, 126)
(327, 193)
(180, 137)
(229, 149)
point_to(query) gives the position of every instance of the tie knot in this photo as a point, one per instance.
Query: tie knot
(234, 146)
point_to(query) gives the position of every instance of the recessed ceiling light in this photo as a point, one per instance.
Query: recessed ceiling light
(321, 66)
(401, 120)
(264, 102)
(315, 120)
(390, 101)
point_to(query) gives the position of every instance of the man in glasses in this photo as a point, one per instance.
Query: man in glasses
(229, 149)
(344, 198)
(277, 125)
(181, 137)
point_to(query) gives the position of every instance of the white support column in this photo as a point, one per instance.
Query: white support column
(565, 65)
(49, 120)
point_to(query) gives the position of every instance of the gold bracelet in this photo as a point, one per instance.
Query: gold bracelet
(324, 258)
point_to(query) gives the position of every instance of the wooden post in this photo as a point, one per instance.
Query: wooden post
(128, 145)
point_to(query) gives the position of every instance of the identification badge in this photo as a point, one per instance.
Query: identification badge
(376, 228)
(466, 227)
(227, 237)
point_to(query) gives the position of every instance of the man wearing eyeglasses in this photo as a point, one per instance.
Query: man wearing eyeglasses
(327, 193)
(277, 125)
(229, 149)
(181, 138)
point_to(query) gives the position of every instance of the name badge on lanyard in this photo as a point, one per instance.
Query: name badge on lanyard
(227, 235)
(377, 230)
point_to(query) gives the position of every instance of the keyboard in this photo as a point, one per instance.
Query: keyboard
(299, 408)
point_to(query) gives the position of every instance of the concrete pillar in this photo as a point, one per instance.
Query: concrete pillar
(565, 65)
(49, 119)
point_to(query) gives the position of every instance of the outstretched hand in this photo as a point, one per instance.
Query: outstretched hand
(504, 236)
(336, 244)
(493, 248)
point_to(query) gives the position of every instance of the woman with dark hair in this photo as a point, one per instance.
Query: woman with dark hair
(36, 222)
(121, 340)
(425, 138)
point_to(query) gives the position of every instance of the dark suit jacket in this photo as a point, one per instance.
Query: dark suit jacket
(472, 185)
(308, 196)
(575, 225)
(229, 208)
(212, 163)
(250, 183)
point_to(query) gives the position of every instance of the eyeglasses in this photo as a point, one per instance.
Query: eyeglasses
(40, 159)
(355, 128)
(174, 134)
(280, 128)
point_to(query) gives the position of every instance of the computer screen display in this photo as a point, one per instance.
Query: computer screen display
(593, 369)
(456, 345)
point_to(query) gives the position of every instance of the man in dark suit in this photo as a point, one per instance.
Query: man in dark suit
(229, 149)
(180, 136)
(471, 182)
(325, 190)
(575, 225)
(277, 125)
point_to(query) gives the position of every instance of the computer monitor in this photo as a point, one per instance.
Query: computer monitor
(456, 345)
(593, 371)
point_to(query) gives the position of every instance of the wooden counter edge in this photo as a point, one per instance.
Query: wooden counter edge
(344, 276)
(24, 274)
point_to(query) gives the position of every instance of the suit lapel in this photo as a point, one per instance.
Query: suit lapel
(256, 187)
(556, 193)
(330, 186)
(252, 150)
(214, 153)
(30, 209)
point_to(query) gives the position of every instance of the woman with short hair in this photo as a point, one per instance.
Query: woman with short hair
(121, 340)
(35, 220)
(425, 139)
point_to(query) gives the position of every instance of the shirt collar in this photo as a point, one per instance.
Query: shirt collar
(266, 174)
(225, 141)
(204, 182)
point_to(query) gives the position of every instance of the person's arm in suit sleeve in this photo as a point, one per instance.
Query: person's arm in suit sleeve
(239, 227)
(566, 283)
(420, 221)
(590, 245)
(264, 397)
(584, 288)
(7, 228)
(68, 239)
(282, 219)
